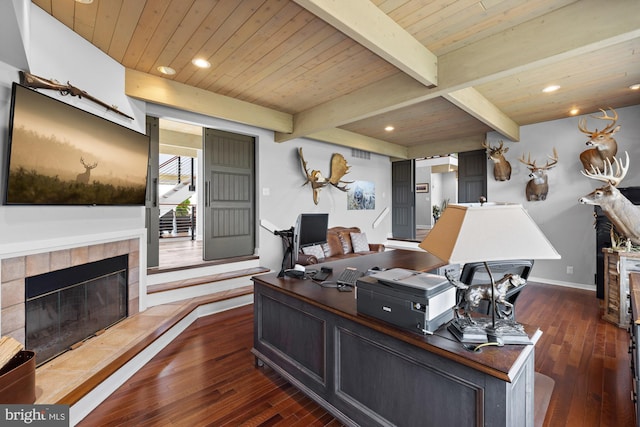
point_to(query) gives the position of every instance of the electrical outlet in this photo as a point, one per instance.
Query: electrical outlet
(569, 269)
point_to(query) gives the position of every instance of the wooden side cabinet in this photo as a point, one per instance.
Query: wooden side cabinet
(617, 267)
(634, 334)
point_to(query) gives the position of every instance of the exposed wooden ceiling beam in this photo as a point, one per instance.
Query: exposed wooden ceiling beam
(178, 151)
(384, 96)
(350, 139)
(442, 148)
(526, 46)
(365, 23)
(180, 139)
(541, 41)
(166, 92)
(471, 101)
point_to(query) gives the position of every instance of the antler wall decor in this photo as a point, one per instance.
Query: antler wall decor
(538, 186)
(501, 166)
(624, 215)
(339, 168)
(604, 147)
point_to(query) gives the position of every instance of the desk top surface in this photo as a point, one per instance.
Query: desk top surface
(501, 362)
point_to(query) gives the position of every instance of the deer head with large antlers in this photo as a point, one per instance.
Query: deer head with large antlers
(538, 186)
(501, 166)
(604, 145)
(339, 168)
(624, 215)
(83, 178)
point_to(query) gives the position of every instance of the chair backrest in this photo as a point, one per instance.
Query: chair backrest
(474, 273)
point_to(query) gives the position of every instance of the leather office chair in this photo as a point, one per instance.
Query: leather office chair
(475, 273)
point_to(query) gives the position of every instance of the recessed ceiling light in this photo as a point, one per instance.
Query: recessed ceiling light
(166, 70)
(389, 128)
(202, 63)
(635, 86)
(574, 111)
(84, 1)
(551, 88)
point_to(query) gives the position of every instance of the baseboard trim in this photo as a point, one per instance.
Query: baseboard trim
(591, 288)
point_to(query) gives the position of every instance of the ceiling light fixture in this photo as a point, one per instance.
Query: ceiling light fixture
(166, 70)
(635, 86)
(574, 111)
(389, 128)
(551, 88)
(84, 1)
(202, 63)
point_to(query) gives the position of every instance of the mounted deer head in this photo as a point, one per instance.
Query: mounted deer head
(538, 186)
(339, 168)
(83, 178)
(501, 166)
(604, 146)
(624, 215)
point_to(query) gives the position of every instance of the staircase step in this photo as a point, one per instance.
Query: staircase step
(179, 284)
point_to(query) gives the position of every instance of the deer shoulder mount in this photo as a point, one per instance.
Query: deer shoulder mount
(83, 178)
(339, 168)
(603, 146)
(538, 186)
(624, 215)
(501, 166)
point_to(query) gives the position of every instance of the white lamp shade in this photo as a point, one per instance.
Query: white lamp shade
(491, 232)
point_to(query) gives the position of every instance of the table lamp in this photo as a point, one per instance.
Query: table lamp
(487, 232)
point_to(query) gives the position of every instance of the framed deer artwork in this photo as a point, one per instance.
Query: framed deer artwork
(62, 155)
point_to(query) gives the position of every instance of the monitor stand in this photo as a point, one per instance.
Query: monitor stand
(287, 242)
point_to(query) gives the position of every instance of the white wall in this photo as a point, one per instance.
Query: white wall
(568, 224)
(423, 200)
(56, 52)
(280, 193)
(282, 196)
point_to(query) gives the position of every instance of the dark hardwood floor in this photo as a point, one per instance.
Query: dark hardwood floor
(206, 377)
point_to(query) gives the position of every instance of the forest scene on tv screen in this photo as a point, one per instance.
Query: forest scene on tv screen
(61, 155)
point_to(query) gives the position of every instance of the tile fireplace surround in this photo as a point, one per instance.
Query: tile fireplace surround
(15, 270)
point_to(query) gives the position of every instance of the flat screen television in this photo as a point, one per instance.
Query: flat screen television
(310, 229)
(61, 155)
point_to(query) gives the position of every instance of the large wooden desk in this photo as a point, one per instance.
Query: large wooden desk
(367, 372)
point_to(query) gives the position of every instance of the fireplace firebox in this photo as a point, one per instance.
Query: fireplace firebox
(65, 307)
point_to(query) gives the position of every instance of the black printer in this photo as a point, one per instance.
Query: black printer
(419, 302)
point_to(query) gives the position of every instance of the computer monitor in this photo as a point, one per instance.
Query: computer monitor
(310, 229)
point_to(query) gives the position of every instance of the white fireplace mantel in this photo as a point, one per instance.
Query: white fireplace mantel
(30, 247)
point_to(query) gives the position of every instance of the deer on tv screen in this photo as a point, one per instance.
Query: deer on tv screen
(62, 155)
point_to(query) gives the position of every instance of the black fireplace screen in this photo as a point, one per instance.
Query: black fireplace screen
(67, 306)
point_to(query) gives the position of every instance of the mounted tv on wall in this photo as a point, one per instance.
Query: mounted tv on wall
(61, 155)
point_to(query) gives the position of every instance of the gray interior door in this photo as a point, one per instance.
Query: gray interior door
(152, 209)
(403, 218)
(229, 195)
(472, 176)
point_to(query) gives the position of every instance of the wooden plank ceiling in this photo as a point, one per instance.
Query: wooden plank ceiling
(442, 72)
